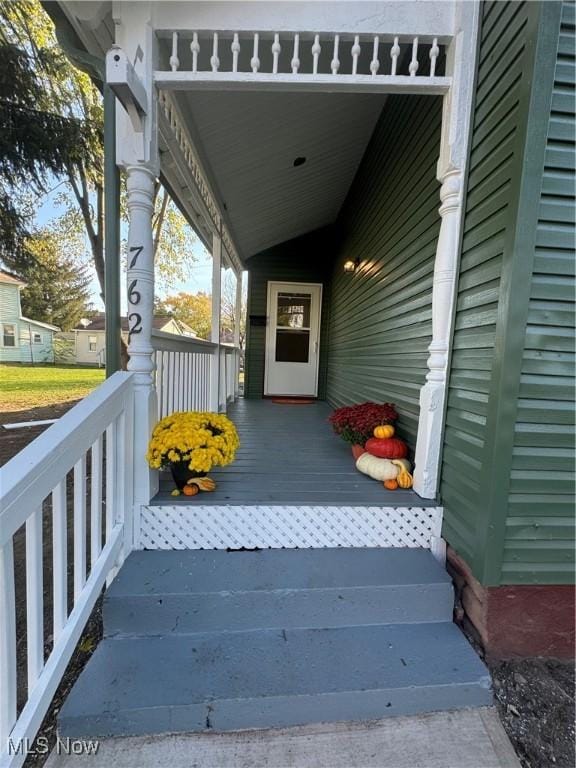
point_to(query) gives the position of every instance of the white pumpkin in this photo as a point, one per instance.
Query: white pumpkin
(378, 469)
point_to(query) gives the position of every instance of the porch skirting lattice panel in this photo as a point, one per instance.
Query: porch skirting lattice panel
(249, 527)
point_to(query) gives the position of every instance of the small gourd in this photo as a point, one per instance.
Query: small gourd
(384, 430)
(378, 469)
(404, 479)
(391, 485)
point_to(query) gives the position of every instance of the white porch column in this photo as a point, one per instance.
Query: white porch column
(433, 393)
(140, 290)
(238, 309)
(456, 128)
(237, 322)
(215, 372)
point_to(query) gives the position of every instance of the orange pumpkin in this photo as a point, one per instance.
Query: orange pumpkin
(391, 485)
(190, 490)
(387, 447)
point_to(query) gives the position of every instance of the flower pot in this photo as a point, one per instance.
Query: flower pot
(357, 451)
(181, 473)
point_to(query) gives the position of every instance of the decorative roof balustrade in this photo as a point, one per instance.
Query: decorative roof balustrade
(325, 61)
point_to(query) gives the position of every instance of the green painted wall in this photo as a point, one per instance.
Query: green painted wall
(506, 476)
(380, 316)
(305, 260)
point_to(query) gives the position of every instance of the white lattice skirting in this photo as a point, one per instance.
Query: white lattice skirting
(203, 527)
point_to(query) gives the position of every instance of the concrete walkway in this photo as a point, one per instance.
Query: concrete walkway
(471, 738)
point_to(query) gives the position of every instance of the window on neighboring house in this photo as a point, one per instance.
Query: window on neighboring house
(92, 342)
(9, 335)
(37, 338)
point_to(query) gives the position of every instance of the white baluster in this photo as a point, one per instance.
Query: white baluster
(413, 67)
(8, 665)
(95, 501)
(255, 61)
(59, 558)
(335, 63)
(434, 51)
(276, 48)
(355, 54)
(174, 60)
(394, 53)
(195, 48)
(235, 48)
(111, 495)
(375, 63)
(214, 60)
(316, 49)
(79, 526)
(295, 63)
(34, 597)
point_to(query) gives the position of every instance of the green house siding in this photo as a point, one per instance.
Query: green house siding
(381, 315)
(506, 468)
(539, 543)
(493, 162)
(302, 260)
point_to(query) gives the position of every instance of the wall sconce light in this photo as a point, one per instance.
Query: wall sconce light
(351, 266)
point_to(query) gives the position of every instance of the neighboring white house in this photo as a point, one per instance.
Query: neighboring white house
(90, 336)
(22, 340)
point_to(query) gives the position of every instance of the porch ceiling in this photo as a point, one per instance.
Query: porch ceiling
(249, 141)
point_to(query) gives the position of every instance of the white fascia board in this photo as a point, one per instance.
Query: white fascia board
(399, 17)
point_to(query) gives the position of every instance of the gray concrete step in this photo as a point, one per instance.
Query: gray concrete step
(272, 678)
(201, 591)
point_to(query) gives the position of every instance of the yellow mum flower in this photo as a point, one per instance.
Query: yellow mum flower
(202, 438)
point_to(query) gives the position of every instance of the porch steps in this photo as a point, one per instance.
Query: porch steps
(202, 640)
(214, 590)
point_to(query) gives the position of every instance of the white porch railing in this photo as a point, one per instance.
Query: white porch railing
(77, 477)
(193, 374)
(342, 59)
(229, 373)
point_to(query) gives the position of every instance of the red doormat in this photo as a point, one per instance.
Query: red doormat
(293, 400)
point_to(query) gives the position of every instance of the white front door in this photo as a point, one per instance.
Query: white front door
(292, 339)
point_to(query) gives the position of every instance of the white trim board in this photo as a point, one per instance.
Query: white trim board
(22, 424)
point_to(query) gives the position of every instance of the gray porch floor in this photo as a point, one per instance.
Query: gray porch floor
(289, 455)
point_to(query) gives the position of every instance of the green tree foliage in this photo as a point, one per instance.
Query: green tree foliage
(71, 97)
(57, 288)
(194, 309)
(35, 139)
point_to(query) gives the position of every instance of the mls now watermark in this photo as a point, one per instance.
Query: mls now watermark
(42, 746)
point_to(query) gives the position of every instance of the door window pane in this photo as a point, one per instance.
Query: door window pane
(292, 345)
(294, 310)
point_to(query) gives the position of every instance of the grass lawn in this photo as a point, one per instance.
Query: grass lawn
(34, 386)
